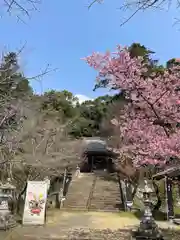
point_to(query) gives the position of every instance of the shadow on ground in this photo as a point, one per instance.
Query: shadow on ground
(158, 215)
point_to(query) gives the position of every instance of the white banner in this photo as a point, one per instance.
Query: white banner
(35, 203)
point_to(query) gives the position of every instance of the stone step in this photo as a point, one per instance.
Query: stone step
(77, 187)
(72, 198)
(103, 193)
(103, 207)
(76, 204)
(104, 200)
(106, 195)
(104, 203)
(79, 191)
(78, 196)
(105, 189)
(107, 186)
(74, 209)
(79, 180)
(103, 210)
(109, 190)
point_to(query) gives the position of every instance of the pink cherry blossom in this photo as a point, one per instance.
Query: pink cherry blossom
(148, 123)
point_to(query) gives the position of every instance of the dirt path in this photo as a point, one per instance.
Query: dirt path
(58, 223)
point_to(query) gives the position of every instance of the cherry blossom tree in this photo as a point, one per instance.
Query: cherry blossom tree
(149, 123)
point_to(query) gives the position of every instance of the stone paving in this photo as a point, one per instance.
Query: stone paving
(59, 223)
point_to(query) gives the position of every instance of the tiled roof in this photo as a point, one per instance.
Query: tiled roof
(171, 171)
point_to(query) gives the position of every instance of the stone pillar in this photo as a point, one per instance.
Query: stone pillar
(123, 194)
(129, 199)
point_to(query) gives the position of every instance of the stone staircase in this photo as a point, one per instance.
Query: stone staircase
(106, 194)
(79, 191)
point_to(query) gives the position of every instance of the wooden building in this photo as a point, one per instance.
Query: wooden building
(171, 176)
(96, 156)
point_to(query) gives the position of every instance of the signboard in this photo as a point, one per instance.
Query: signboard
(35, 203)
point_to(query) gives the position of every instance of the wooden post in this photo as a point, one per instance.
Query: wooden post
(169, 198)
(107, 164)
(92, 165)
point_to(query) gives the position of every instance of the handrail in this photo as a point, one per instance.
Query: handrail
(91, 193)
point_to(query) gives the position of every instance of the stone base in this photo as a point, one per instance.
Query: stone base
(148, 235)
(148, 230)
(7, 223)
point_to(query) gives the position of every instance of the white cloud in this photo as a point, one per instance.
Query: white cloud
(82, 98)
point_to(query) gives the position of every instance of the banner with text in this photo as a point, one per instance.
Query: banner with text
(35, 203)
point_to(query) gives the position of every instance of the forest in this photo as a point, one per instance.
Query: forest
(45, 130)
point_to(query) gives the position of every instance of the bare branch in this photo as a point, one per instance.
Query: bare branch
(21, 7)
(46, 71)
(139, 5)
(93, 2)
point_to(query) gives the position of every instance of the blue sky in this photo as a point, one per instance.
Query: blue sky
(62, 32)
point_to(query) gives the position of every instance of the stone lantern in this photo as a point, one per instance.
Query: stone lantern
(7, 200)
(148, 229)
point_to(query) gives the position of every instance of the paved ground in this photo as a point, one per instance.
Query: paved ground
(58, 223)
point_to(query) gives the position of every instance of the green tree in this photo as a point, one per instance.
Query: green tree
(173, 62)
(12, 81)
(82, 127)
(90, 115)
(59, 103)
(14, 94)
(138, 50)
(13, 88)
